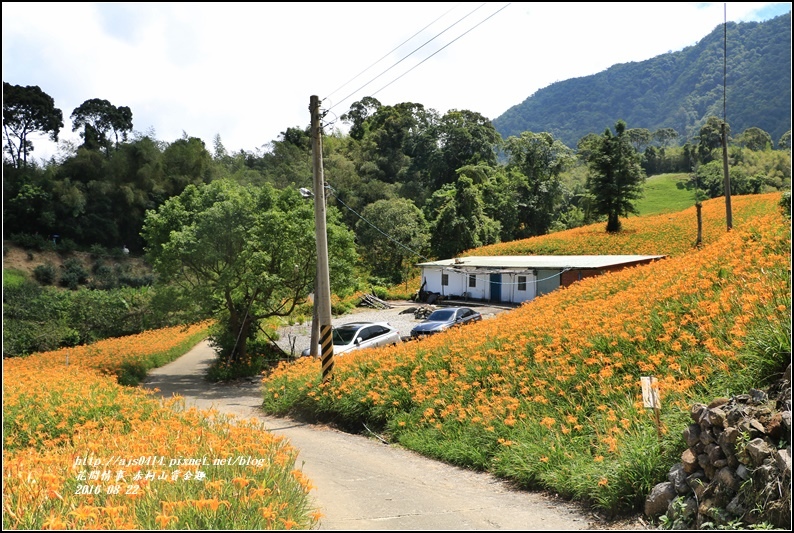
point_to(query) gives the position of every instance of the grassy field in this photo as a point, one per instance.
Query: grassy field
(665, 193)
(548, 395)
(13, 277)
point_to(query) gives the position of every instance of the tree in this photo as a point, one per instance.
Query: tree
(615, 179)
(98, 118)
(27, 110)
(665, 137)
(755, 139)
(460, 222)
(541, 159)
(462, 137)
(241, 254)
(358, 114)
(640, 138)
(785, 141)
(710, 138)
(392, 235)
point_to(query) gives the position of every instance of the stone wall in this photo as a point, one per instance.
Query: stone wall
(737, 465)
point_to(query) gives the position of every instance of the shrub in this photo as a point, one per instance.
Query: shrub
(74, 274)
(103, 277)
(785, 203)
(97, 251)
(45, 274)
(32, 241)
(66, 246)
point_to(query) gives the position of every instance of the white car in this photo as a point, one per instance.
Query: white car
(358, 335)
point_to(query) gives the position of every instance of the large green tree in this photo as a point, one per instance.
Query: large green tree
(710, 138)
(541, 159)
(99, 118)
(755, 139)
(459, 219)
(392, 236)
(615, 179)
(461, 138)
(27, 110)
(241, 254)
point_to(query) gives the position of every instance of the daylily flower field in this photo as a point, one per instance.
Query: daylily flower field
(81, 451)
(549, 395)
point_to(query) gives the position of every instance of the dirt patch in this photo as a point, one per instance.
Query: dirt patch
(26, 261)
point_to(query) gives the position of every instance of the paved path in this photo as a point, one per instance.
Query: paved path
(364, 484)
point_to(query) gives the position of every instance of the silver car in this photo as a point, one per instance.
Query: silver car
(359, 335)
(443, 319)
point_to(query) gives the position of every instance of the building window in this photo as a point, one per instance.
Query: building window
(522, 283)
(445, 279)
(472, 280)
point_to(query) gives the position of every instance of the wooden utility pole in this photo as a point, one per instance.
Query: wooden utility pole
(727, 176)
(322, 289)
(728, 214)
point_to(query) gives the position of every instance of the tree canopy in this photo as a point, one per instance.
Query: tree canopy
(242, 254)
(616, 178)
(392, 236)
(27, 110)
(99, 118)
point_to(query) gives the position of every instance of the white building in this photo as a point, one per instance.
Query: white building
(517, 278)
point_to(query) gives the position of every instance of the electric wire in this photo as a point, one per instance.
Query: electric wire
(439, 50)
(333, 193)
(409, 55)
(387, 54)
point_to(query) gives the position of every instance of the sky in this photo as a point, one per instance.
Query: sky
(246, 71)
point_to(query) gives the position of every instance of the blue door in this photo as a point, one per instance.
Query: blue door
(496, 288)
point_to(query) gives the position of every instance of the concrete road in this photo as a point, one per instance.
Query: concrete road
(364, 484)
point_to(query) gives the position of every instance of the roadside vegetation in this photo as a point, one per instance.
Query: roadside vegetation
(548, 395)
(81, 451)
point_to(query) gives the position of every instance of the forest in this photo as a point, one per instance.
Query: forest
(745, 67)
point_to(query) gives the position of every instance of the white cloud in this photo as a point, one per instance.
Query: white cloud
(246, 71)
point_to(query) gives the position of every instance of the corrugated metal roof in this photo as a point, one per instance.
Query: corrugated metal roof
(540, 261)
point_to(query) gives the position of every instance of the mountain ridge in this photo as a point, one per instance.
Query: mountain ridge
(676, 90)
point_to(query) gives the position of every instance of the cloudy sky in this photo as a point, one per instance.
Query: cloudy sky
(246, 71)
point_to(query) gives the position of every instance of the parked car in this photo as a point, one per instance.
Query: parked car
(358, 335)
(443, 319)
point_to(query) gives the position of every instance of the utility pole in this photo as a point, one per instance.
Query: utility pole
(725, 171)
(322, 289)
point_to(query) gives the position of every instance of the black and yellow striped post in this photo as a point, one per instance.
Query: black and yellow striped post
(327, 350)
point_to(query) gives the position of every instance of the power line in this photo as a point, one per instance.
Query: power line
(411, 53)
(387, 55)
(440, 49)
(414, 252)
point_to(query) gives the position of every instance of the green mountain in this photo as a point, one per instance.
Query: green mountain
(674, 90)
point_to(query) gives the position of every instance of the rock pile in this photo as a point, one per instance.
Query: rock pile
(737, 465)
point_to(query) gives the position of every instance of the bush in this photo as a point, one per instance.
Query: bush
(74, 274)
(785, 203)
(32, 241)
(66, 247)
(97, 251)
(45, 274)
(37, 318)
(103, 277)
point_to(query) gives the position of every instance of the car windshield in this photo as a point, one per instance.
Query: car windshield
(442, 315)
(344, 335)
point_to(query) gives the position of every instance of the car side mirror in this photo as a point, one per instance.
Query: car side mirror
(358, 340)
